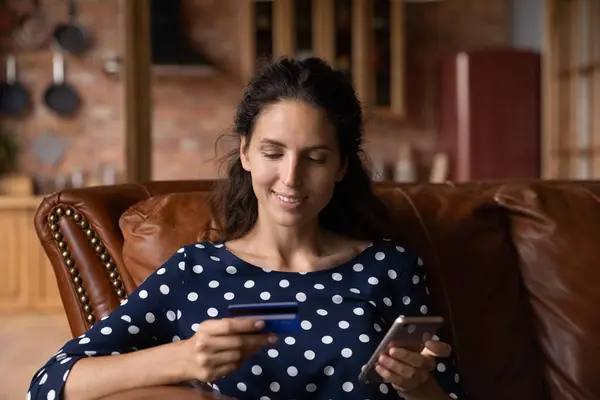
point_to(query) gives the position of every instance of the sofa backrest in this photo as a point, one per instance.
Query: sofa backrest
(491, 252)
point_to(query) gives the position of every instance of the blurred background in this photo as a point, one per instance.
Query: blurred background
(109, 91)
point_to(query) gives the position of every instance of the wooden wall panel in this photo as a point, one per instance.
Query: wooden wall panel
(571, 134)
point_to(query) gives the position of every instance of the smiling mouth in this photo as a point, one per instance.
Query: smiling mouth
(289, 199)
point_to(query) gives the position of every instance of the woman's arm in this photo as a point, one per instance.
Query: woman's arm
(106, 359)
(97, 377)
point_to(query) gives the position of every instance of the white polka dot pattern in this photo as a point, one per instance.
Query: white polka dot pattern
(344, 313)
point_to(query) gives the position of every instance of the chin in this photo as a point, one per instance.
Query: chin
(292, 219)
(289, 220)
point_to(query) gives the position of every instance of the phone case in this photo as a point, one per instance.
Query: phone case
(410, 333)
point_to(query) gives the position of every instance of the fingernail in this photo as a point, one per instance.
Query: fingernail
(259, 324)
(273, 339)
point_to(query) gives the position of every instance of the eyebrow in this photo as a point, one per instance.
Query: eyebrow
(279, 144)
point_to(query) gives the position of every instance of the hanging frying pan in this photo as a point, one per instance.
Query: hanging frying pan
(61, 97)
(71, 36)
(14, 98)
(34, 28)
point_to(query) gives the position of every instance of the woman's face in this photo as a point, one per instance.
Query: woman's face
(294, 161)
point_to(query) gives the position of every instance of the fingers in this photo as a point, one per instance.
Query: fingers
(402, 375)
(247, 342)
(387, 367)
(232, 326)
(219, 346)
(225, 357)
(406, 368)
(437, 349)
(412, 359)
(223, 370)
(212, 373)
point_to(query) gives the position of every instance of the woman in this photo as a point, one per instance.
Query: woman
(300, 223)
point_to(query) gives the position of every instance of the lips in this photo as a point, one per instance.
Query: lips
(287, 198)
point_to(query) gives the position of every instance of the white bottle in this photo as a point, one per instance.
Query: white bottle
(405, 170)
(109, 175)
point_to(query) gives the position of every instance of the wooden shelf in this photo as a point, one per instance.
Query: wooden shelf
(571, 66)
(19, 203)
(584, 69)
(200, 71)
(332, 23)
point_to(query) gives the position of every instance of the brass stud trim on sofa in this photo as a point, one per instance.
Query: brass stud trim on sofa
(69, 262)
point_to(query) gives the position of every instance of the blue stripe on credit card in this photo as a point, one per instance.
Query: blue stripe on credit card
(279, 317)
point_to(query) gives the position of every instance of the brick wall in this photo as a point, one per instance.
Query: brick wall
(97, 132)
(190, 113)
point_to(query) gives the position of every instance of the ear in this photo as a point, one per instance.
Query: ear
(244, 155)
(342, 172)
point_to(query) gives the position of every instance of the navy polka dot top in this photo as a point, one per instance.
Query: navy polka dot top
(345, 312)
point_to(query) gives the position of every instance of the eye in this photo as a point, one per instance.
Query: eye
(271, 155)
(318, 160)
(318, 157)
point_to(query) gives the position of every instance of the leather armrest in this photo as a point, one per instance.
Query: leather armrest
(79, 232)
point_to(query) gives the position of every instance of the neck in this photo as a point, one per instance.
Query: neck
(288, 245)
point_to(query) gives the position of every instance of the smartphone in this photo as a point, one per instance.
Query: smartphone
(279, 317)
(207, 389)
(409, 333)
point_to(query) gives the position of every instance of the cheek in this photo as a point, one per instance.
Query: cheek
(323, 182)
(263, 175)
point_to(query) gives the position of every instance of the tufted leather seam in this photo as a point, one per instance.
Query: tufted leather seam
(63, 263)
(107, 264)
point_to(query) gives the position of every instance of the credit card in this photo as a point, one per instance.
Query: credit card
(279, 317)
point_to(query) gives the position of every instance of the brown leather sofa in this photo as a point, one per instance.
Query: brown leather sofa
(512, 266)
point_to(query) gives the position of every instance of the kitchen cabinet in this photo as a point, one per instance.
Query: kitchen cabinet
(362, 38)
(28, 282)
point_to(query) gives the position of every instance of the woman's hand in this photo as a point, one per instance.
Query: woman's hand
(407, 370)
(220, 346)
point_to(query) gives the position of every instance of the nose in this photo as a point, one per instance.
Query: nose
(291, 173)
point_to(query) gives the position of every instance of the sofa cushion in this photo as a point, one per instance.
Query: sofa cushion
(554, 228)
(154, 229)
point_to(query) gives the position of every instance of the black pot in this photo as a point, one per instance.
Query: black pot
(14, 97)
(61, 97)
(71, 36)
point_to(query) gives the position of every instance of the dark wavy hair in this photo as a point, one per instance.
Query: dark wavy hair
(354, 209)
